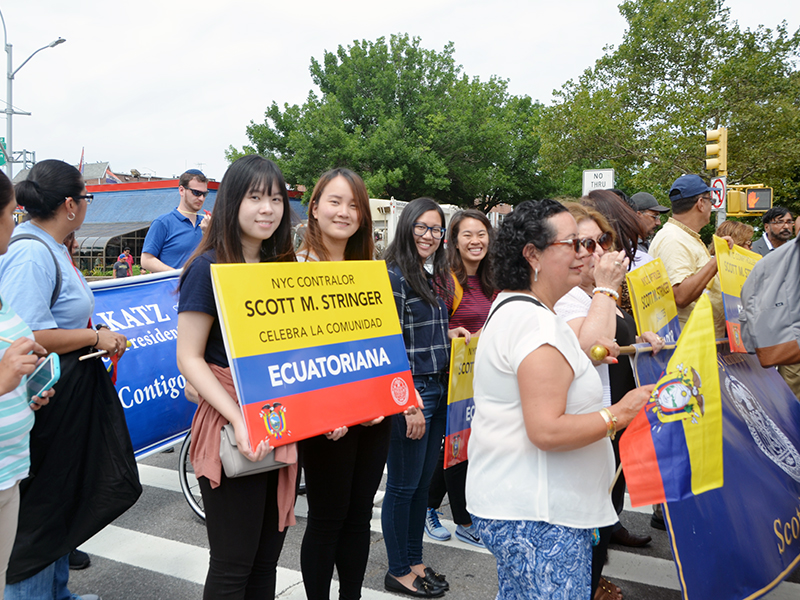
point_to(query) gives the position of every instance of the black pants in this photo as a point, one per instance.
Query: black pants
(453, 482)
(600, 551)
(242, 525)
(341, 480)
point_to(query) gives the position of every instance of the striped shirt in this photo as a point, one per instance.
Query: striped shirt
(16, 417)
(424, 327)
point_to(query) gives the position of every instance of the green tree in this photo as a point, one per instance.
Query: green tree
(683, 67)
(411, 124)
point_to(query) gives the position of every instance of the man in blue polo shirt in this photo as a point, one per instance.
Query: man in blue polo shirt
(173, 237)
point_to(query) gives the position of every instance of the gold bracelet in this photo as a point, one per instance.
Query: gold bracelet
(611, 422)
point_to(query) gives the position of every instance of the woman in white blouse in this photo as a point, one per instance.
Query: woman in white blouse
(541, 460)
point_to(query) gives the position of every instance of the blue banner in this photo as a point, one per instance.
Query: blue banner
(741, 540)
(149, 385)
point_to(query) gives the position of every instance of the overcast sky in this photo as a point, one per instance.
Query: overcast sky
(162, 86)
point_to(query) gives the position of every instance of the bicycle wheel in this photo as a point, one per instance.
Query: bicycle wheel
(191, 490)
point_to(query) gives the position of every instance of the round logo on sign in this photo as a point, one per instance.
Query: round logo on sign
(399, 391)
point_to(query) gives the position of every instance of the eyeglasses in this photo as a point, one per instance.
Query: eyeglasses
(420, 229)
(198, 193)
(782, 223)
(604, 241)
(87, 197)
(575, 243)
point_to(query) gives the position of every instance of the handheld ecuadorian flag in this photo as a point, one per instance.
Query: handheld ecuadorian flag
(673, 448)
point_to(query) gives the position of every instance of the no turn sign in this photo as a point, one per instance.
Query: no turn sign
(718, 198)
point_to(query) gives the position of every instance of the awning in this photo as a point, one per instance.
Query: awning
(95, 236)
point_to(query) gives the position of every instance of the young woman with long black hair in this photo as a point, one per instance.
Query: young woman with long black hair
(470, 241)
(246, 517)
(416, 436)
(343, 468)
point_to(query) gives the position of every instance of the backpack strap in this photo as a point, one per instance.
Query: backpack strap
(458, 294)
(517, 298)
(57, 288)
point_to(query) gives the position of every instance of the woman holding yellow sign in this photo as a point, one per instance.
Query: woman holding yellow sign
(246, 517)
(416, 436)
(591, 311)
(343, 468)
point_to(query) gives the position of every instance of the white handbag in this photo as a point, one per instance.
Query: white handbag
(235, 464)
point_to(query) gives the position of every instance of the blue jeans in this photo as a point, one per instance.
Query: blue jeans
(48, 584)
(410, 468)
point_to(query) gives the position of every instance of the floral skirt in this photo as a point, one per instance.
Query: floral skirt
(537, 560)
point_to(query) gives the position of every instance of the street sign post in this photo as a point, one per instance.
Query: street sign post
(597, 179)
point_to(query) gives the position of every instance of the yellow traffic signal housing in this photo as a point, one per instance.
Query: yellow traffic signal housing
(717, 153)
(747, 200)
(735, 201)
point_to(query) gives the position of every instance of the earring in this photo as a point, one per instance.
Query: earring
(71, 217)
(535, 275)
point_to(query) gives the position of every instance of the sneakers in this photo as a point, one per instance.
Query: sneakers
(469, 535)
(433, 528)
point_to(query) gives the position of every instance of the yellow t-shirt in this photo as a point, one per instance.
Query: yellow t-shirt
(684, 254)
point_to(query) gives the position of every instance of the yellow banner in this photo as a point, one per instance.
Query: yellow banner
(734, 265)
(272, 307)
(462, 366)
(460, 403)
(653, 301)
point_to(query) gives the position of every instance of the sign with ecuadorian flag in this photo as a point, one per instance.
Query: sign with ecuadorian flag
(734, 265)
(753, 521)
(673, 448)
(312, 346)
(460, 402)
(653, 301)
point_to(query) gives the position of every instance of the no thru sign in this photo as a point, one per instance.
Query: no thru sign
(597, 179)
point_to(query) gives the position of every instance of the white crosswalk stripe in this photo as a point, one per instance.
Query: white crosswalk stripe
(189, 562)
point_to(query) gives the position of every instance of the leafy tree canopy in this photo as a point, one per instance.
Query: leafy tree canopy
(411, 124)
(683, 67)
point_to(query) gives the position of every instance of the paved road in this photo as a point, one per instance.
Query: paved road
(158, 550)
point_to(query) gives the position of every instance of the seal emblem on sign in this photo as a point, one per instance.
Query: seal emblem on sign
(399, 391)
(678, 398)
(456, 447)
(766, 433)
(274, 419)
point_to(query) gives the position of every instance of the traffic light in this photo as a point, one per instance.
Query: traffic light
(758, 200)
(717, 152)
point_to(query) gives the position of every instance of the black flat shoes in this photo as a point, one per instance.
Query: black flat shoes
(435, 580)
(422, 589)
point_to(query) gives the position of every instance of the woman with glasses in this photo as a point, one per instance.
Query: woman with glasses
(344, 467)
(416, 435)
(469, 303)
(540, 461)
(591, 311)
(40, 282)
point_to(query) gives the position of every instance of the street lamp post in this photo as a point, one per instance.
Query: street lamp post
(10, 112)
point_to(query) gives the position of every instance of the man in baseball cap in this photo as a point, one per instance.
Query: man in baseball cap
(690, 267)
(649, 212)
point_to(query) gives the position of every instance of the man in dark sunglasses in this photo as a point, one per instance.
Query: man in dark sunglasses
(173, 237)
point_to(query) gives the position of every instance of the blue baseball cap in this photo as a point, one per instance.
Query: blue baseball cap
(687, 186)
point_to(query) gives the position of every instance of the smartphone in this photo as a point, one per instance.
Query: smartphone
(45, 376)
